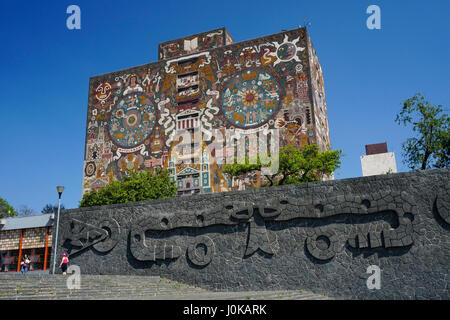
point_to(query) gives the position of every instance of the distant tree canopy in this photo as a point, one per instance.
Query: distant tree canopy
(295, 165)
(51, 208)
(431, 145)
(138, 186)
(6, 210)
(25, 211)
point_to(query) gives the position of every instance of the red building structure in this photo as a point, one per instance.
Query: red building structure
(26, 235)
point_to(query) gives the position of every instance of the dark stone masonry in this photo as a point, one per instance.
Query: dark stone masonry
(321, 237)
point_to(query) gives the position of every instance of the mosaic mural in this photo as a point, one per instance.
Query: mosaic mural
(199, 42)
(250, 98)
(132, 120)
(320, 105)
(136, 117)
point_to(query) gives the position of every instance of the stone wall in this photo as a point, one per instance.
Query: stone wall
(320, 237)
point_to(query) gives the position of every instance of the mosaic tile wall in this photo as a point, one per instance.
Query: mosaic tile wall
(32, 238)
(201, 83)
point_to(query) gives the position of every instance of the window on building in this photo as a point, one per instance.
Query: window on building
(187, 80)
(9, 260)
(184, 63)
(187, 90)
(37, 256)
(188, 104)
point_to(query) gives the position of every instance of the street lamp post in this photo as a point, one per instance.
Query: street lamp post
(60, 190)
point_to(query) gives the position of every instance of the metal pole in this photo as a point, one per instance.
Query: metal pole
(56, 235)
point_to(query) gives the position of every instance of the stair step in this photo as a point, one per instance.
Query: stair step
(115, 287)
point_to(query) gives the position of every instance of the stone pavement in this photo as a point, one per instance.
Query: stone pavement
(113, 287)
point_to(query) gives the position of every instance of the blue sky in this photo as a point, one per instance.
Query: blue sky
(45, 70)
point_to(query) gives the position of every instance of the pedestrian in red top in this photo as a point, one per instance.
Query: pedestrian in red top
(63, 264)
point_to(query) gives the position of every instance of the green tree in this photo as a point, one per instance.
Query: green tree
(431, 145)
(6, 210)
(295, 165)
(137, 186)
(237, 170)
(51, 208)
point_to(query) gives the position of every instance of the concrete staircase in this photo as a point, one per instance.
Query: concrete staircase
(111, 287)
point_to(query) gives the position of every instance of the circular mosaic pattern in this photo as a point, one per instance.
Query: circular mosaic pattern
(132, 120)
(90, 169)
(250, 98)
(286, 51)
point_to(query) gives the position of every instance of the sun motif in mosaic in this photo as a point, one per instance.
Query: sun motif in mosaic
(132, 120)
(250, 98)
(287, 50)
